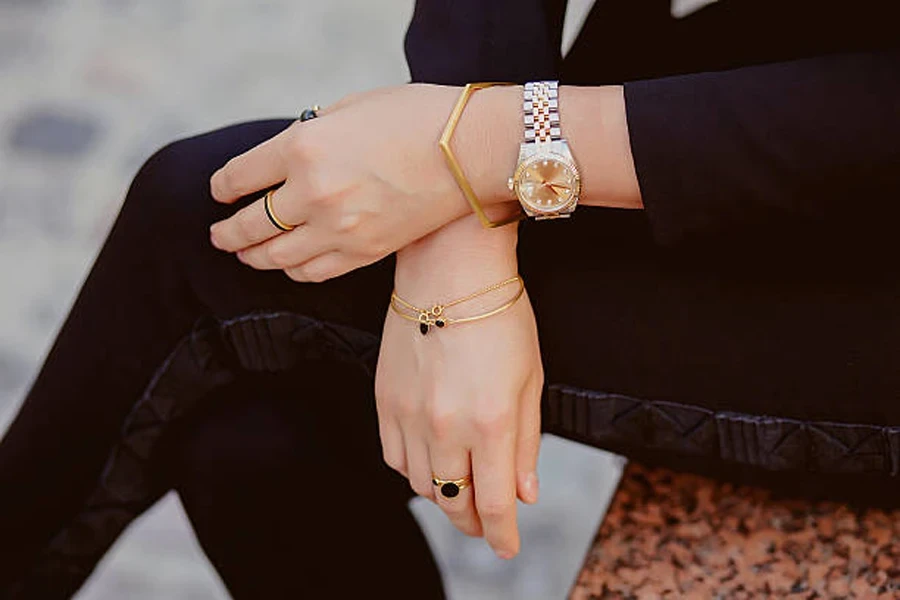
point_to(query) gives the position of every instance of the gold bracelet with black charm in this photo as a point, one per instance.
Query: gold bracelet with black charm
(436, 315)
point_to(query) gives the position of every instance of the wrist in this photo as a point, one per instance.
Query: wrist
(593, 121)
(456, 259)
(487, 142)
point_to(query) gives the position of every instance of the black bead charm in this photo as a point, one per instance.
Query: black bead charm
(308, 114)
(450, 490)
(423, 327)
(439, 323)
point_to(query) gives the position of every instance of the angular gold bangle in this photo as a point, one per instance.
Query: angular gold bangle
(453, 163)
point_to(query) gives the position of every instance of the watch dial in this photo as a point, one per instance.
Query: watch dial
(547, 184)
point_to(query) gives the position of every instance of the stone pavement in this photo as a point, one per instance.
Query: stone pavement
(88, 89)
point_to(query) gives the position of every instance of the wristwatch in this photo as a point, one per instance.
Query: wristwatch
(546, 180)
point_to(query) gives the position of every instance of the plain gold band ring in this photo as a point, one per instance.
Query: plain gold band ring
(278, 223)
(450, 488)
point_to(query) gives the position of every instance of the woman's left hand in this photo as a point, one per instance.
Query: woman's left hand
(464, 400)
(365, 178)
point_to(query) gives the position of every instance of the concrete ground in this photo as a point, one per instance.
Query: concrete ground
(88, 89)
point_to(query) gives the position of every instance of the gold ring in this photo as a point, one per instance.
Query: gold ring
(450, 488)
(271, 214)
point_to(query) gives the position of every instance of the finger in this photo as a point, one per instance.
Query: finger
(448, 462)
(494, 480)
(392, 447)
(323, 267)
(528, 446)
(418, 463)
(254, 170)
(250, 225)
(283, 251)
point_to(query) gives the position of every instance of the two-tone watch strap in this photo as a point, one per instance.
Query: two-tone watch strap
(542, 111)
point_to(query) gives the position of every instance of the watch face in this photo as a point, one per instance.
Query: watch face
(546, 184)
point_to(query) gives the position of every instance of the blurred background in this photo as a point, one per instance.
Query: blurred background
(88, 90)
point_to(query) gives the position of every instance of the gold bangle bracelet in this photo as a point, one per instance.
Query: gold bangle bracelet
(435, 316)
(453, 163)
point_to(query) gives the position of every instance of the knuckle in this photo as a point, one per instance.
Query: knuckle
(394, 402)
(318, 274)
(244, 224)
(349, 223)
(223, 179)
(230, 179)
(386, 398)
(278, 256)
(299, 146)
(405, 407)
(441, 422)
(495, 509)
(422, 489)
(296, 274)
(493, 422)
(316, 186)
(397, 463)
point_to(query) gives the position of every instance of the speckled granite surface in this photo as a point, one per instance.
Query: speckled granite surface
(675, 535)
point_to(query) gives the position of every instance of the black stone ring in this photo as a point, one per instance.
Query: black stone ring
(450, 488)
(310, 113)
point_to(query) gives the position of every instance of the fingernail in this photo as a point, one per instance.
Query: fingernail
(505, 555)
(532, 486)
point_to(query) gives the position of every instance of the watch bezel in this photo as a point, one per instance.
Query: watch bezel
(541, 156)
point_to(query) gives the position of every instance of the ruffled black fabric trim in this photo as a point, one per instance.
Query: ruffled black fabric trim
(773, 443)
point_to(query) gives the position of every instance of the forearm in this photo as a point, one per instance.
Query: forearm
(739, 151)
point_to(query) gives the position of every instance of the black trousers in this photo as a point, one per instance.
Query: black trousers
(280, 471)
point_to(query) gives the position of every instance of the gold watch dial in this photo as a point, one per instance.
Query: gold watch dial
(546, 184)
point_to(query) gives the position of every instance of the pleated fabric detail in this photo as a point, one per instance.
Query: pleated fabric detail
(773, 443)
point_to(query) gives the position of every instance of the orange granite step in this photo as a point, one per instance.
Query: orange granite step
(676, 535)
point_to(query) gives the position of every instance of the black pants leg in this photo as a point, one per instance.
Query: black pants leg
(282, 480)
(284, 505)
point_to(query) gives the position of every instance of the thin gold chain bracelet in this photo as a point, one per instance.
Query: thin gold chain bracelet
(435, 316)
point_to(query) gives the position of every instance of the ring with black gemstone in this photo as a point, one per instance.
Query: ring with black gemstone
(310, 113)
(450, 488)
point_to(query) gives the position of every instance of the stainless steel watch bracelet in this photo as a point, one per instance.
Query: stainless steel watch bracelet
(541, 108)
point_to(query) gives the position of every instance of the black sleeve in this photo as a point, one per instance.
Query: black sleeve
(455, 42)
(811, 140)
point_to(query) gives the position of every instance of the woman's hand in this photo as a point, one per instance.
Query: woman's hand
(464, 400)
(365, 179)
